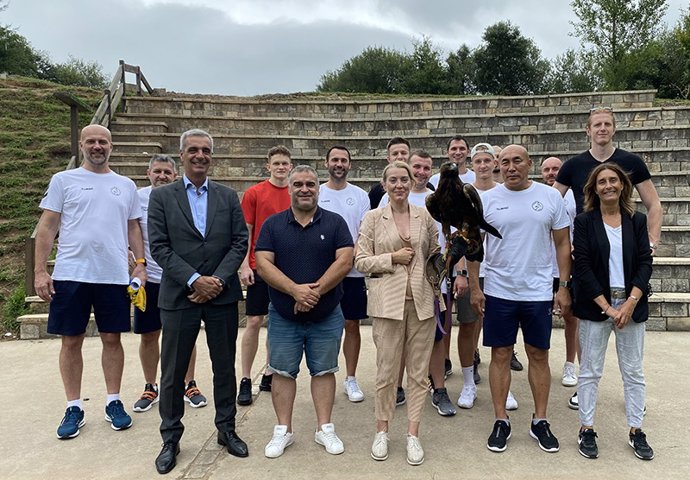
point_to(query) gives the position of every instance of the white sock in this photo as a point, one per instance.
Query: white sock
(350, 378)
(468, 375)
(112, 397)
(75, 403)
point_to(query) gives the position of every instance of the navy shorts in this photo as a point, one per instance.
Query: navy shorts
(502, 318)
(318, 341)
(257, 301)
(354, 301)
(150, 320)
(71, 307)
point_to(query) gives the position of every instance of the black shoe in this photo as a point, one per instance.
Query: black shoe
(449, 367)
(638, 441)
(515, 363)
(475, 373)
(587, 441)
(233, 443)
(167, 459)
(573, 402)
(499, 436)
(265, 385)
(440, 400)
(400, 397)
(541, 432)
(245, 395)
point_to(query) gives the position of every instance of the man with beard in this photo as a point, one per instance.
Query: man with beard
(303, 254)
(96, 212)
(351, 203)
(161, 171)
(198, 237)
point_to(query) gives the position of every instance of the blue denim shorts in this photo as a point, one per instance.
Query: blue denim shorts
(320, 342)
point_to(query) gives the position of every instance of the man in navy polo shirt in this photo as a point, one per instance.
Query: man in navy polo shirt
(303, 254)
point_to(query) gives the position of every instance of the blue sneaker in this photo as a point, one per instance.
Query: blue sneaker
(116, 415)
(71, 423)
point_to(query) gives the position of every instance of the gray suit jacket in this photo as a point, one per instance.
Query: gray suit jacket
(180, 250)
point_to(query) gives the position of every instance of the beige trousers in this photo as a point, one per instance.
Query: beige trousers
(416, 339)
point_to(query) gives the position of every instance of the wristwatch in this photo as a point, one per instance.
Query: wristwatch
(564, 283)
(141, 261)
(462, 273)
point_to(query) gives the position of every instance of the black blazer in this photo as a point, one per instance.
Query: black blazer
(180, 250)
(591, 266)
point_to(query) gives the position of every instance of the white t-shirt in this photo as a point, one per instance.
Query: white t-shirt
(616, 273)
(518, 267)
(94, 209)
(571, 209)
(351, 203)
(153, 271)
(482, 268)
(467, 177)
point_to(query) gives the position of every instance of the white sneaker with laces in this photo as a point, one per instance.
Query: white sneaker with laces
(415, 452)
(352, 390)
(280, 441)
(327, 437)
(467, 396)
(379, 449)
(569, 375)
(511, 402)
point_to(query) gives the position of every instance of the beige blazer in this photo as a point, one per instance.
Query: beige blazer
(378, 239)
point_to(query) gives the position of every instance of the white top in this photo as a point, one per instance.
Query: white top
(351, 203)
(467, 177)
(616, 273)
(518, 267)
(571, 209)
(482, 268)
(153, 271)
(94, 209)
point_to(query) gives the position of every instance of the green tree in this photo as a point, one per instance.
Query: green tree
(17, 57)
(78, 72)
(507, 63)
(461, 69)
(574, 72)
(428, 73)
(375, 70)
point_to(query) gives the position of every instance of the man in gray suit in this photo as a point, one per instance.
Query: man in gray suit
(198, 236)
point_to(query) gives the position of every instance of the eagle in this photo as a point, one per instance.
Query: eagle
(457, 204)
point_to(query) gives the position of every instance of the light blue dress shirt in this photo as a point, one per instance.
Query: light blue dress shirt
(198, 204)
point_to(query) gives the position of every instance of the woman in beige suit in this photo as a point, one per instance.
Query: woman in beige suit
(394, 243)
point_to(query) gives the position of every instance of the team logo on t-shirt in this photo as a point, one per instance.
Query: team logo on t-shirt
(350, 201)
(537, 206)
(115, 191)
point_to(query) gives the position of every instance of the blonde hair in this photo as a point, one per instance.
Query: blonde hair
(397, 164)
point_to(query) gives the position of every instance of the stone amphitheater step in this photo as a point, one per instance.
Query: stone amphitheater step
(134, 146)
(137, 124)
(362, 108)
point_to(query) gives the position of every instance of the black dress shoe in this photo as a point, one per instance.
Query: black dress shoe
(166, 460)
(233, 443)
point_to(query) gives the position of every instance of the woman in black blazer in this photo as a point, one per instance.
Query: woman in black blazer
(612, 267)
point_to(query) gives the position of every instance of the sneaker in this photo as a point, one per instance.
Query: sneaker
(449, 367)
(266, 381)
(327, 437)
(477, 377)
(379, 449)
(499, 436)
(116, 415)
(71, 423)
(569, 375)
(193, 396)
(244, 397)
(638, 442)
(280, 441)
(415, 452)
(441, 401)
(573, 404)
(511, 402)
(352, 390)
(467, 396)
(400, 397)
(147, 399)
(587, 441)
(515, 363)
(541, 432)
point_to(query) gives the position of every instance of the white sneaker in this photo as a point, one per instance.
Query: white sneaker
(280, 441)
(379, 449)
(569, 375)
(352, 390)
(511, 403)
(467, 396)
(415, 452)
(327, 437)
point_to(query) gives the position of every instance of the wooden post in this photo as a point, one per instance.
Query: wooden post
(29, 264)
(139, 81)
(74, 129)
(123, 81)
(108, 111)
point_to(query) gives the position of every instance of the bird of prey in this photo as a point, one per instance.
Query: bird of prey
(457, 204)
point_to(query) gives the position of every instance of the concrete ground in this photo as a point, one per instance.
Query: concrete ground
(32, 402)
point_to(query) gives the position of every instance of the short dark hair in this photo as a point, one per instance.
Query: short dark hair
(457, 137)
(421, 153)
(338, 147)
(278, 150)
(396, 141)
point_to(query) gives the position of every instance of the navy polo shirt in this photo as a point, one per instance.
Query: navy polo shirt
(304, 254)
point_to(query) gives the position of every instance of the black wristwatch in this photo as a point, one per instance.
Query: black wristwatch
(564, 283)
(462, 273)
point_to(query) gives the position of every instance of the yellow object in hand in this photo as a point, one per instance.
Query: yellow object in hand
(138, 297)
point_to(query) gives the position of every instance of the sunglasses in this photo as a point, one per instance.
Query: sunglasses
(600, 109)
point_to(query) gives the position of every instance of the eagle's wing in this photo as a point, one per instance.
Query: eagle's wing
(433, 206)
(473, 197)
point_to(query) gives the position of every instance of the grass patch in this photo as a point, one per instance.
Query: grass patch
(14, 307)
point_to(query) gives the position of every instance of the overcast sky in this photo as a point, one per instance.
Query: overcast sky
(250, 47)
